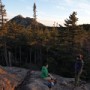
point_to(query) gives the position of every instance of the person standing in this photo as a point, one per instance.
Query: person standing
(79, 63)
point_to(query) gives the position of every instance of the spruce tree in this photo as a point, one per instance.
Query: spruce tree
(34, 11)
(2, 14)
(72, 29)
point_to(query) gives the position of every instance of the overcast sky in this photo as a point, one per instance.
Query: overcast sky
(49, 11)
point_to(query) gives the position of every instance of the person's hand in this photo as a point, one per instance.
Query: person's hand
(49, 75)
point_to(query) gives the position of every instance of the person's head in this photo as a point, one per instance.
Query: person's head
(80, 57)
(45, 64)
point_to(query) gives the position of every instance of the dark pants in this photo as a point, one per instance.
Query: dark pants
(77, 77)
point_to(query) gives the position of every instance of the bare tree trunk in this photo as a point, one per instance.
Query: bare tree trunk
(10, 61)
(47, 53)
(26, 60)
(6, 57)
(15, 55)
(40, 55)
(20, 54)
(2, 58)
(30, 50)
(35, 56)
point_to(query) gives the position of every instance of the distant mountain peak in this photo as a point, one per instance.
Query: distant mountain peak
(26, 21)
(20, 16)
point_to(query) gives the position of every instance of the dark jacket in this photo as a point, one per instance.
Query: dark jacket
(79, 65)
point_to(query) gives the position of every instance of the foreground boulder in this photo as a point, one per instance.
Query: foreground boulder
(11, 77)
(33, 81)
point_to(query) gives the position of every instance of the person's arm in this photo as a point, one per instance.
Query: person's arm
(51, 76)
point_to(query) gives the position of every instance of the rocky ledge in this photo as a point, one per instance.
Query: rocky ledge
(33, 81)
(13, 78)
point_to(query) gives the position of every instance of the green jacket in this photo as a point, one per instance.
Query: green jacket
(44, 72)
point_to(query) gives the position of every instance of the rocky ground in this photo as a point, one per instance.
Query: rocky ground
(13, 78)
(33, 81)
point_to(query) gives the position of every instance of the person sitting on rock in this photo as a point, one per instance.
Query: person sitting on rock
(45, 74)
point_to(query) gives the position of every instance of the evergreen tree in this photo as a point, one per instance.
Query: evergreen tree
(2, 14)
(71, 22)
(2, 31)
(34, 11)
(72, 29)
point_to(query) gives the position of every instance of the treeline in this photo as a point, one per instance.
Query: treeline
(20, 45)
(23, 46)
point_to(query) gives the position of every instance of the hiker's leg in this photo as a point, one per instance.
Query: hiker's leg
(51, 76)
(47, 78)
(76, 78)
(79, 74)
(77, 81)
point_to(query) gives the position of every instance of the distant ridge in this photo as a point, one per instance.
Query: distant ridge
(26, 22)
(29, 22)
(85, 27)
